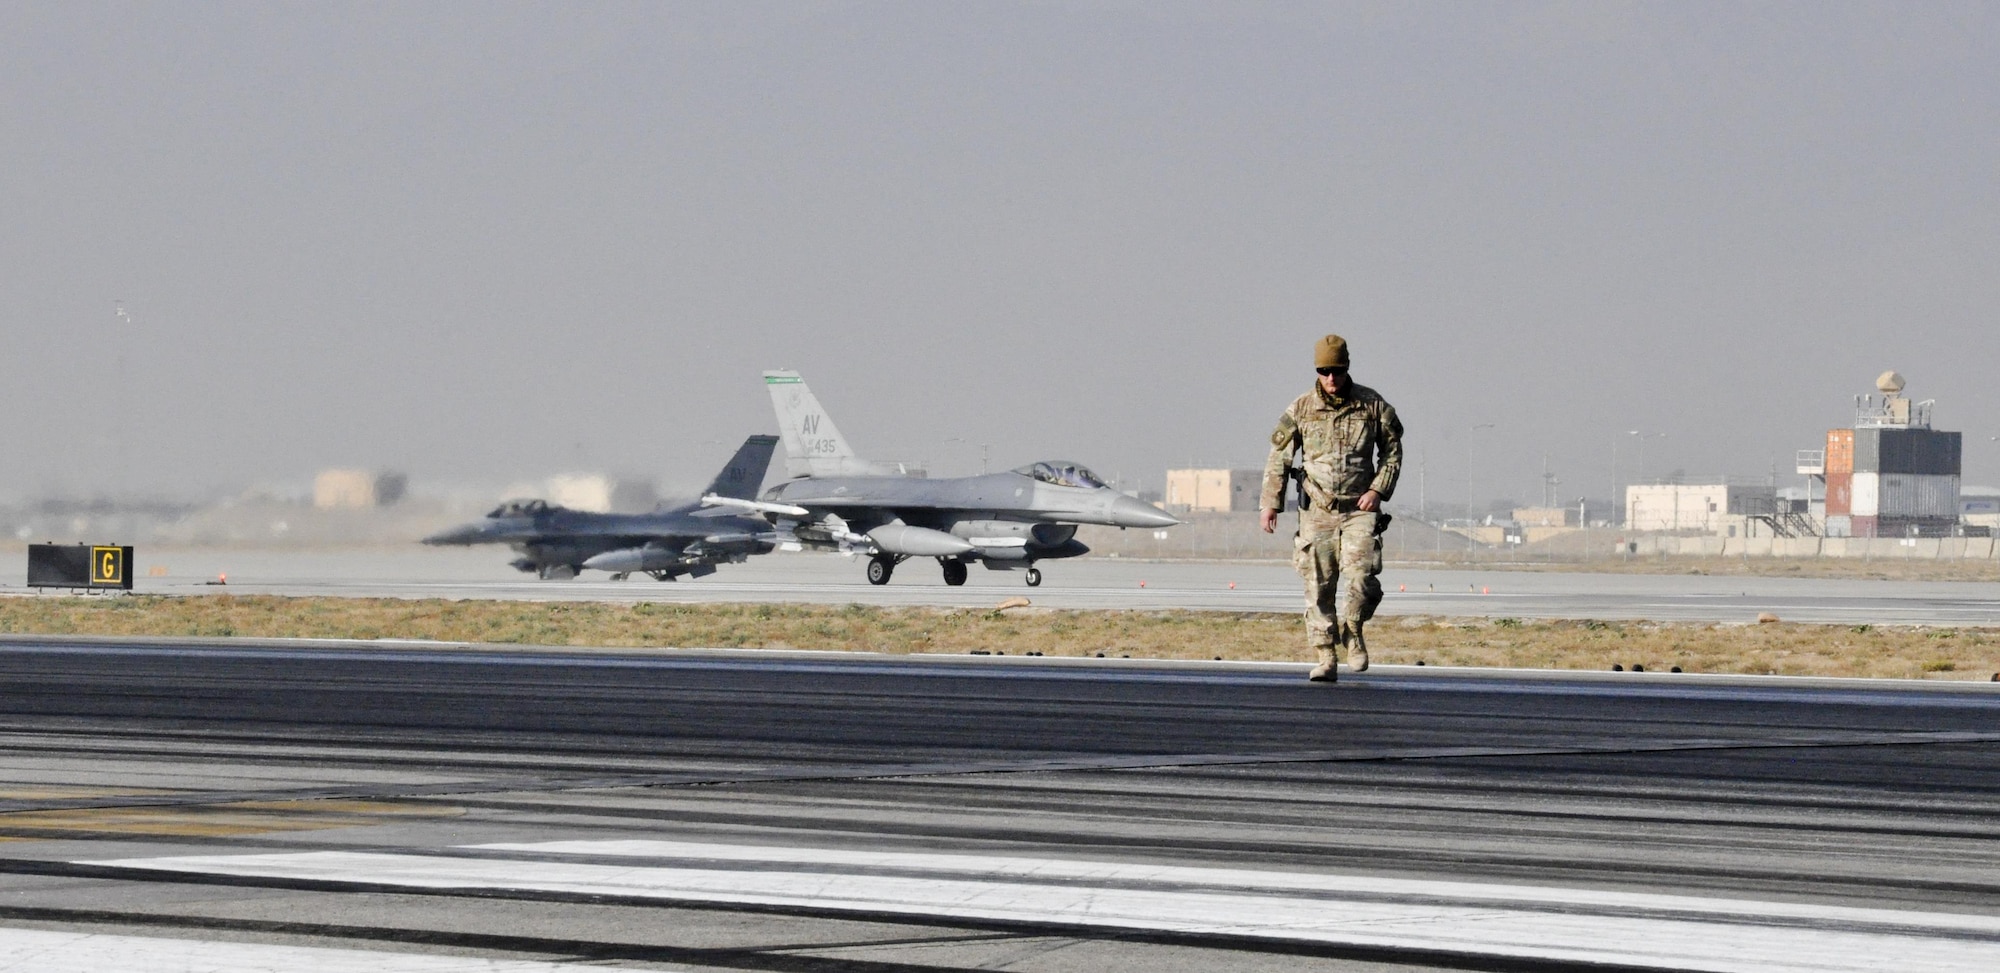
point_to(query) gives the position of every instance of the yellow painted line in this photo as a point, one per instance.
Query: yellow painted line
(221, 820)
(53, 792)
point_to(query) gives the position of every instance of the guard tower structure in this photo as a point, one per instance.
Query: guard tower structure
(1891, 475)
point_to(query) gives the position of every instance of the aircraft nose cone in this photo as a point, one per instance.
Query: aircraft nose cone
(1133, 512)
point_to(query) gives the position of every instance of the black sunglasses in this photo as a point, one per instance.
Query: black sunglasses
(1332, 370)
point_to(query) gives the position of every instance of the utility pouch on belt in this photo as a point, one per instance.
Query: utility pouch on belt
(1382, 519)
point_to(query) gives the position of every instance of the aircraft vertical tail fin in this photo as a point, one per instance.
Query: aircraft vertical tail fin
(744, 473)
(813, 446)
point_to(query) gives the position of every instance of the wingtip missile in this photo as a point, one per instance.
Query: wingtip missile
(757, 506)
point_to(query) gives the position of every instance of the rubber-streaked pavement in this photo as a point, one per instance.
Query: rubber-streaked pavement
(1637, 812)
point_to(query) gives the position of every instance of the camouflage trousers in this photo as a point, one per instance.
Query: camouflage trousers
(1339, 555)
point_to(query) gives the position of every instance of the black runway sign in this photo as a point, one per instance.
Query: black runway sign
(80, 566)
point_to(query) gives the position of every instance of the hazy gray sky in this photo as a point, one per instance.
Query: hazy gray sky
(486, 241)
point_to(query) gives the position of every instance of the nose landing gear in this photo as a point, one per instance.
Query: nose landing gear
(880, 567)
(1034, 577)
(954, 571)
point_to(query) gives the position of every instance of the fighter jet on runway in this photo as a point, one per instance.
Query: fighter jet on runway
(1005, 520)
(691, 539)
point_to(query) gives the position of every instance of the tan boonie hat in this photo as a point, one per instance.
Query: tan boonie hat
(1331, 352)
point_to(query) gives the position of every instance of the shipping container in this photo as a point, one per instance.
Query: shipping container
(1942, 456)
(1901, 495)
(1866, 498)
(1839, 492)
(1839, 451)
(1914, 495)
(1861, 527)
(1891, 450)
(1839, 526)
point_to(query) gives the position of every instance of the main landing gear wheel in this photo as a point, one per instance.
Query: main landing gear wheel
(879, 568)
(1034, 577)
(954, 571)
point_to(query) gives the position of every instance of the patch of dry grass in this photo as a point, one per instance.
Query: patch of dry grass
(1855, 568)
(1907, 652)
(1878, 651)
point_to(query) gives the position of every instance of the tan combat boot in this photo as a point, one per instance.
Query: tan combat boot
(1324, 671)
(1357, 647)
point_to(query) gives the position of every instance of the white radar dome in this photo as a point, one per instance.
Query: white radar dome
(1889, 383)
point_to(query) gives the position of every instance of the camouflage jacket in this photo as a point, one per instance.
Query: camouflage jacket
(1347, 445)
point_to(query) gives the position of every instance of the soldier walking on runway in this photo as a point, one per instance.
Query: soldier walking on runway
(1344, 446)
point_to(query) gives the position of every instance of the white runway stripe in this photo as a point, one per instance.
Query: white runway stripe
(1674, 932)
(1046, 869)
(44, 951)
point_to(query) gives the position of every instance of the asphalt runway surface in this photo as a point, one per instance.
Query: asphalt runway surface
(1088, 583)
(252, 806)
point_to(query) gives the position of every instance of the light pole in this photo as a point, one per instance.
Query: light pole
(1642, 437)
(1617, 496)
(120, 338)
(1640, 472)
(1583, 524)
(1471, 467)
(1420, 488)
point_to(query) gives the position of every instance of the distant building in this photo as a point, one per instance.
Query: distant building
(1532, 525)
(1892, 475)
(1546, 516)
(1979, 507)
(357, 489)
(1214, 490)
(1711, 507)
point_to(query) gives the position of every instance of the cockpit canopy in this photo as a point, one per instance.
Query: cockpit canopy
(521, 508)
(1063, 474)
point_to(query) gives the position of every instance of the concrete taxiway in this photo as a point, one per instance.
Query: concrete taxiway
(1089, 583)
(239, 805)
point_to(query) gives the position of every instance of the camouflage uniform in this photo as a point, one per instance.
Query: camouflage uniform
(1347, 446)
